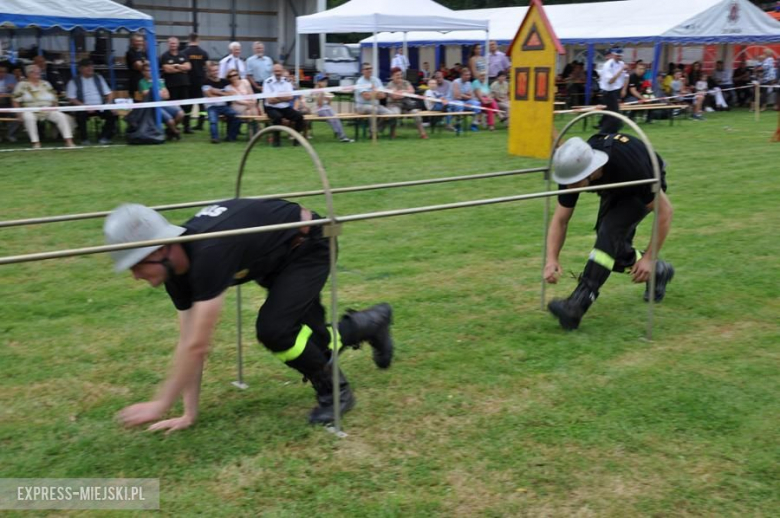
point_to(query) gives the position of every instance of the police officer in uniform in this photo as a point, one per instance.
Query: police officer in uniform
(606, 159)
(611, 81)
(292, 265)
(197, 58)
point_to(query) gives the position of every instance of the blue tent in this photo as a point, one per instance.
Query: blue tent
(88, 15)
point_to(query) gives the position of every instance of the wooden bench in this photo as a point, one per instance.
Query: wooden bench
(638, 108)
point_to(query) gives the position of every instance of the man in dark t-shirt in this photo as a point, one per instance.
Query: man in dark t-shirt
(134, 59)
(197, 58)
(291, 264)
(176, 72)
(635, 92)
(607, 159)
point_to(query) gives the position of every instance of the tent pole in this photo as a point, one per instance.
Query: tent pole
(297, 57)
(656, 62)
(406, 52)
(589, 73)
(374, 100)
(151, 54)
(72, 55)
(110, 59)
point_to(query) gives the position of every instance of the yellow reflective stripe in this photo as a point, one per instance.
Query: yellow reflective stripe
(602, 259)
(638, 254)
(330, 345)
(296, 350)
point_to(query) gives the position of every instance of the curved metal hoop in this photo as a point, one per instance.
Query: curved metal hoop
(331, 231)
(656, 189)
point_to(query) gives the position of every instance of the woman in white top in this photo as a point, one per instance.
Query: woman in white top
(37, 93)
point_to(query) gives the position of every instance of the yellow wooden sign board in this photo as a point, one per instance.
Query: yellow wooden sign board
(532, 85)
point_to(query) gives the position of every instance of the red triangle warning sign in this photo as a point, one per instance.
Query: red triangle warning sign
(534, 40)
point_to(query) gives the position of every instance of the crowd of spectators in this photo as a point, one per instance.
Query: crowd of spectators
(704, 90)
(479, 87)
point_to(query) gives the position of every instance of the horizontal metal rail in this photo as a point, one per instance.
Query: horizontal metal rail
(298, 224)
(298, 194)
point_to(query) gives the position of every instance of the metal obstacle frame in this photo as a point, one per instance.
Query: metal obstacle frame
(332, 224)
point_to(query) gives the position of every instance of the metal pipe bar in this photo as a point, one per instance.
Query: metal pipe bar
(73, 252)
(295, 194)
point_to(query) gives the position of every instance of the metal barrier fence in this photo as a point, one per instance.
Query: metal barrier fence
(332, 224)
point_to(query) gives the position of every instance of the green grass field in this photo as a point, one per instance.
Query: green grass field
(490, 409)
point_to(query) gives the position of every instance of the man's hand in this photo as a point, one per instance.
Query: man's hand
(172, 425)
(552, 271)
(640, 272)
(141, 413)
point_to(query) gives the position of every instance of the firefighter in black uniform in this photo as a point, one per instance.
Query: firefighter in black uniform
(606, 159)
(292, 265)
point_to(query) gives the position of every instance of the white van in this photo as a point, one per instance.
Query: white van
(340, 63)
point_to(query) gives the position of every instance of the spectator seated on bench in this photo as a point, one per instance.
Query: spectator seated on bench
(171, 115)
(462, 97)
(7, 85)
(281, 105)
(398, 103)
(324, 109)
(34, 92)
(90, 89)
(368, 95)
(215, 87)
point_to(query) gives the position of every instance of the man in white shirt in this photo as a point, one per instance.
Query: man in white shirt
(232, 61)
(612, 79)
(279, 106)
(367, 95)
(399, 60)
(768, 77)
(91, 89)
(497, 62)
(259, 67)
(724, 79)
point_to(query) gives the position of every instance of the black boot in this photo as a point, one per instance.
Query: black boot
(201, 121)
(322, 381)
(373, 325)
(569, 312)
(664, 272)
(187, 128)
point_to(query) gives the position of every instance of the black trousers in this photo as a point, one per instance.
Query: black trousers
(294, 299)
(616, 228)
(612, 100)
(106, 132)
(277, 114)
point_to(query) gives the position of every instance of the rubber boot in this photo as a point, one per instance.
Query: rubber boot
(570, 311)
(664, 272)
(372, 325)
(322, 381)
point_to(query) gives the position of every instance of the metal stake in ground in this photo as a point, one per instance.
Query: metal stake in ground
(331, 231)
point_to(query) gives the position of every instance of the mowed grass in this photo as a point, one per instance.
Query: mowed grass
(490, 409)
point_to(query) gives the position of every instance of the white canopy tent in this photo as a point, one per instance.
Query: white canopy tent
(656, 23)
(376, 16)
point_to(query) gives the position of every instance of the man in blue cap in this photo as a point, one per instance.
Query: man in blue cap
(613, 77)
